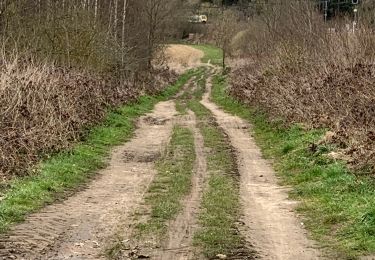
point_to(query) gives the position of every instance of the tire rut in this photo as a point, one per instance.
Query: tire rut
(271, 224)
(78, 228)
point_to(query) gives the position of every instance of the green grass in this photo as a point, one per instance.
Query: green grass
(338, 207)
(188, 95)
(66, 171)
(220, 204)
(212, 54)
(172, 183)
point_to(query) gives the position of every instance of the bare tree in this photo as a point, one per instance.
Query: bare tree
(123, 30)
(157, 14)
(223, 32)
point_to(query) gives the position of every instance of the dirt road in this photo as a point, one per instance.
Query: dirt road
(85, 225)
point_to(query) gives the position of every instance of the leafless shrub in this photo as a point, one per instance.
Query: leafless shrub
(302, 70)
(75, 60)
(44, 109)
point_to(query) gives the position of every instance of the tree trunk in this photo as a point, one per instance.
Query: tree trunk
(115, 18)
(123, 31)
(96, 9)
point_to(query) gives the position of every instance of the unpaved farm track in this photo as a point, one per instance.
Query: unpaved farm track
(273, 228)
(79, 227)
(87, 223)
(177, 244)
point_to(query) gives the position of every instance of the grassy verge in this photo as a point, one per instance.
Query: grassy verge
(68, 170)
(338, 207)
(212, 54)
(172, 183)
(220, 204)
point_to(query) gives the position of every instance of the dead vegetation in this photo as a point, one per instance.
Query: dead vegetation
(294, 67)
(64, 64)
(182, 57)
(44, 109)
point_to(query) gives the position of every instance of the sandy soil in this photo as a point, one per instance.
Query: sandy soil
(181, 57)
(273, 227)
(79, 227)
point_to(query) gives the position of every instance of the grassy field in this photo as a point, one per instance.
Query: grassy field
(337, 206)
(68, 170)
(212, 54)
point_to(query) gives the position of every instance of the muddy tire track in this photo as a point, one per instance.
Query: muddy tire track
(271, 224)
(79, 227)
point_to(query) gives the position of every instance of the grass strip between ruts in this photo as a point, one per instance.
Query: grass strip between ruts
(220, 209)
(212, 54)
(172, 183)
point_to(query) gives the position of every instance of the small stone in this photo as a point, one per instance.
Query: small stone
(79, 244)
(96, 244)
(221, 256)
